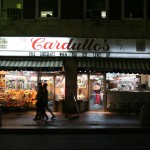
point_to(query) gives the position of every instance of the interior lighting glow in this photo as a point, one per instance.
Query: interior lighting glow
(46, 13)
(103, 14)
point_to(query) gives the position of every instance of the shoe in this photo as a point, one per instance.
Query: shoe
(53, 117)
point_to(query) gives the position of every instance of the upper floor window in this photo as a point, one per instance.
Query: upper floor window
(114, 9)
(11, 9)
(48, 8)
(133, 8)
(96, 8)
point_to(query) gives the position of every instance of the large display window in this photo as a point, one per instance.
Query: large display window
(82, 87)
(59, 87)
(127, 82)
(21, 86)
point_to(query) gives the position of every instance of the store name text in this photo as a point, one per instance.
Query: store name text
(88, 45)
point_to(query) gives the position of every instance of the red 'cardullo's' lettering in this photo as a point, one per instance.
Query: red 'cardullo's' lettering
(89, 44)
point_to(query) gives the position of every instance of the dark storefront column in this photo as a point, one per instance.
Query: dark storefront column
(71, 84)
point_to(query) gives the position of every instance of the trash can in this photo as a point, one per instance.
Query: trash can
(145, 115)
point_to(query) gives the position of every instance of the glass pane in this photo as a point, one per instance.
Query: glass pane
(96, 92)
(115, 9)
(50, 85)
(59, 87)
(134, 8)
(49, 5)
(82, 87)
(95, 8)
(123, 82)
(20, 86)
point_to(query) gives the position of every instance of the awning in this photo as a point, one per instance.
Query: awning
(115, 65)
(30, 64)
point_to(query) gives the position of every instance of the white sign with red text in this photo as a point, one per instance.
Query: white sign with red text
(72, 47)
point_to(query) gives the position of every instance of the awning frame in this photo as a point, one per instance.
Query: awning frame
(115, 65)
(42, 65)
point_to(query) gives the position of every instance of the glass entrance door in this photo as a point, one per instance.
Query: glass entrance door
(56, 88)
(96, 92)
(49, 79)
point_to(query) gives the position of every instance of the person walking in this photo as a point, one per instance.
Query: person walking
(45, 100)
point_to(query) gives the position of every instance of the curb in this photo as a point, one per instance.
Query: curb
(79, 130)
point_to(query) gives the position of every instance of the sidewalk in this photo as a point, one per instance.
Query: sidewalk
(91, 131)
(89, 120)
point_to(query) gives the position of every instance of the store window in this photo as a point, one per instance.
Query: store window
(59, 87)
(50, 85)
(56, 86)
(18, 86)
(127, 82)
(48, 8)
(21, 86)
(133, 8)
(82, 87)
(96, 9)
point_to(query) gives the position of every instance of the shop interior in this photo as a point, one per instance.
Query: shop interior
(21, 86)
(90, 88)
(127, 82)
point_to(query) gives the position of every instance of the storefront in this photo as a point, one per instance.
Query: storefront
(119, 80)
(20, 84)
(98, 72)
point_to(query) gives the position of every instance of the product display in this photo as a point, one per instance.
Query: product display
(82, 91)
(19, 86)
(60, 87)
(2, 85)
(127, 82)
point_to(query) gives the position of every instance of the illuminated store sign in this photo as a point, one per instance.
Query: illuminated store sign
(73, 47)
